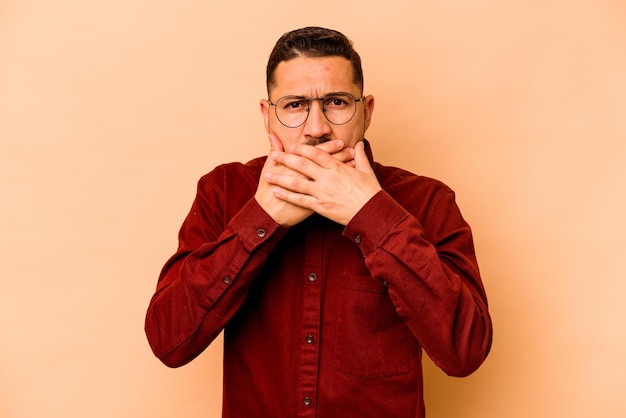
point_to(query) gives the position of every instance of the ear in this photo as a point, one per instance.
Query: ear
(264, 107)
(368, 109)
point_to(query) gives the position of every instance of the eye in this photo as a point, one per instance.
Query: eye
(336, 102)
(293, 104)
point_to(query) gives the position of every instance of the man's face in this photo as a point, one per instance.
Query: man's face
(312, 78)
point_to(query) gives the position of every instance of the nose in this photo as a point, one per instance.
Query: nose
(316, 125)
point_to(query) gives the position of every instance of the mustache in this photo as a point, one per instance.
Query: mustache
(317, 141)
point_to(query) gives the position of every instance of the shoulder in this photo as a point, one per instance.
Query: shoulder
(420, 195)
(231, 180)
(394, 178)
(234, 173)
(229, 186)
(429, 200)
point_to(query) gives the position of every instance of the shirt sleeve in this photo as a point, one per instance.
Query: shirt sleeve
(206, 281)
(431, 274)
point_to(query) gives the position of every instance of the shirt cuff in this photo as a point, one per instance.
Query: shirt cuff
(256, 228)
(374, 221)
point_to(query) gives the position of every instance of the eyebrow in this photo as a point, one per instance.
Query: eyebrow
(332, 93)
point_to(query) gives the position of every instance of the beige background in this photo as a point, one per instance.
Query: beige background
(110, 111)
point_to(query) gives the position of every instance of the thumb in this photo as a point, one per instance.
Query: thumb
(361, 162)
(275, 143)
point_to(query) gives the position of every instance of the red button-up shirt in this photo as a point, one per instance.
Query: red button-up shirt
(323, 320)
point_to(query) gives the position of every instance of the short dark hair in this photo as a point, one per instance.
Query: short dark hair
(313, 41)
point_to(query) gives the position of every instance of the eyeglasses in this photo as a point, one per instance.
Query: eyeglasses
(338, 108)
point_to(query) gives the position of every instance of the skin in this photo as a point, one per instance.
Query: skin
(317, 167)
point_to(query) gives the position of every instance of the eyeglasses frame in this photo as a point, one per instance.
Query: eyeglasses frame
(308, 111)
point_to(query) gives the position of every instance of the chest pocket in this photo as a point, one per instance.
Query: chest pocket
(371, 340)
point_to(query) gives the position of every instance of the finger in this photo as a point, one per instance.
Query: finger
(287, 181)
(275, 146)
(337, 150)
(344, 156)
(273, 164)
(275, 143)
(331, 147)
(316, 155)
(299, 164)
(298, 199)
(361, 162)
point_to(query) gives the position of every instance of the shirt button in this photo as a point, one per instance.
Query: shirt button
(357, 239)
(226, 279)
(312, 277)
(310, 339)
(261, 233)
(306, 400)
(385, 283)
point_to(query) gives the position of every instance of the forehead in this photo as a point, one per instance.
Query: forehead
(313, 76)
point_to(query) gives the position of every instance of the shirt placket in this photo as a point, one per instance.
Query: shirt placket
(311, 320)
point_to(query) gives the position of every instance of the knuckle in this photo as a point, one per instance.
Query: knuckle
(302, 163)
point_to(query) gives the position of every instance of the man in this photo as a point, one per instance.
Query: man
(327, 271)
